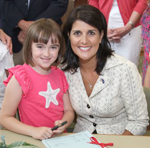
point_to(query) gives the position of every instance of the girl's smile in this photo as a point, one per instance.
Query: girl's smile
(44, 55)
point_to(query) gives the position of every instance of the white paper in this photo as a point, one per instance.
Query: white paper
(78, 140)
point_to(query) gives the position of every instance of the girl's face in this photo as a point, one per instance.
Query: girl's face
(44, 55)
(85, 40)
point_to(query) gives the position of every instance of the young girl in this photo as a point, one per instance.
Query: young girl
(38, 89)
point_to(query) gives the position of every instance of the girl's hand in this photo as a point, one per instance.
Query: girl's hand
(60, 129)
(41, 133)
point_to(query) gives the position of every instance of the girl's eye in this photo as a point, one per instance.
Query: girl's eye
(54, 47)
(39, 46)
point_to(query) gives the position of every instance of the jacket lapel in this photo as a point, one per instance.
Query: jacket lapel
(79, 86)
(102, 82)
(104, 79)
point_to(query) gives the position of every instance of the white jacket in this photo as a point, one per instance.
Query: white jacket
(116, 103)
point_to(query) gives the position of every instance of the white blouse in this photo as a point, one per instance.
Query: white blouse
(116, 103)
(115, 19)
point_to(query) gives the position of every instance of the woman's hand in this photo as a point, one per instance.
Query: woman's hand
(111, 34)
(115, 34)
(21, 37)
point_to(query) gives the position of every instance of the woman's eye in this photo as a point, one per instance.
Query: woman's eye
(77, 33)
(91, 33)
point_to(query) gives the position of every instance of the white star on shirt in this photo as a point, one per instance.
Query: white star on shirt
(50, 95)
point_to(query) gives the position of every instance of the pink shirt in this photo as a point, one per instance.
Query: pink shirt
(126, 7)
(42, 99)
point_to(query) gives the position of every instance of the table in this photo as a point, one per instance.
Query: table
(119, 141)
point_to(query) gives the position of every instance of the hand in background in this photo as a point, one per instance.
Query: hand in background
(21, 37)
(111, 34)
(6, 40)
(23, 25)
(116, 34)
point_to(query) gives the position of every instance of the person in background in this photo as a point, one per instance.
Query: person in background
(22, 13)
(6, 40)
(6, 61)
(145, 21)
(105, 89)
(124, 29)
(38, 89)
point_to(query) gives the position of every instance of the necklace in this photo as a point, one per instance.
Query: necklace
(89, 83)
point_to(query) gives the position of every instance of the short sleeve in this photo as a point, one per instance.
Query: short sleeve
(64, 81)
(21, 76)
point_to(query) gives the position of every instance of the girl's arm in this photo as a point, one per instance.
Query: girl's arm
(13, 95)
(147, 77)
(68, 114)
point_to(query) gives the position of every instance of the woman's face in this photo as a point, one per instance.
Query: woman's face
(85, 40)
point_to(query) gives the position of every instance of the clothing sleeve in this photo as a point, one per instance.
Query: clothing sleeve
(10, 16)
(64, 82)
(140, 6)
(134, 101)
(94, 3)
(8, 61)
(22, 78)
(55, 11)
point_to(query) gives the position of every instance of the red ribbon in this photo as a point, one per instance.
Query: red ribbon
(94, 141)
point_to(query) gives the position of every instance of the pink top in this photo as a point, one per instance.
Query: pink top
(126, 7)
(42, 99)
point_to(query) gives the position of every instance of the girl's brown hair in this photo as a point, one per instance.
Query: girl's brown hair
(41, 31)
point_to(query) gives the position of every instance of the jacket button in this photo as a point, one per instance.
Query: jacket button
(88, 106)
(91, 116)
(94, 124)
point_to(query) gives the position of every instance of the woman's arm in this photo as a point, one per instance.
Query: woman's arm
(118, 33)
(134, 100)
(11, 101)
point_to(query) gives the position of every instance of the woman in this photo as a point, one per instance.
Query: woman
(124, 30)
(105, 89)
